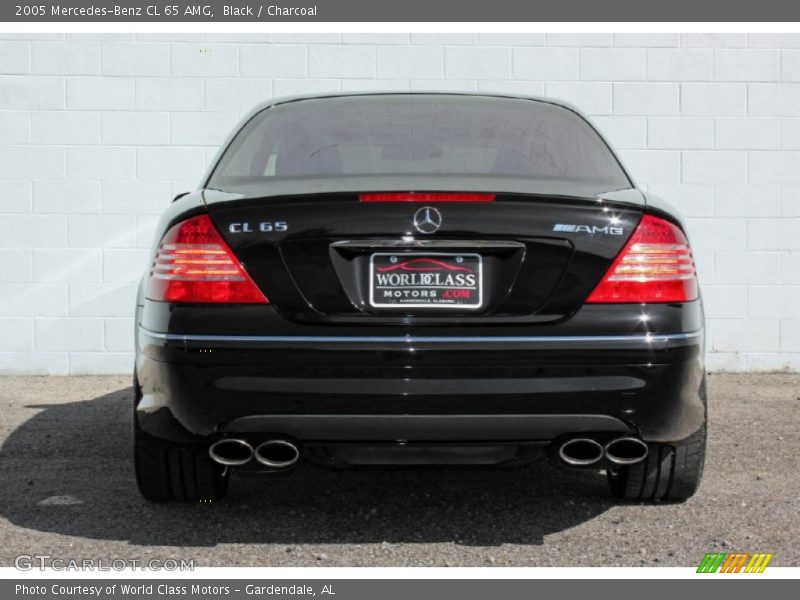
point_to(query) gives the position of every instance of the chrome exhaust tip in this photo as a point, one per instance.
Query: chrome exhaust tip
(626, 451)
(581, 452)
(277, 454)
(231, 452)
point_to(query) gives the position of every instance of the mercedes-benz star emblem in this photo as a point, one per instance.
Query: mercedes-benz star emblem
(427, 220)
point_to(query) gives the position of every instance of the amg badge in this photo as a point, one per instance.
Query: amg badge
(590, 229)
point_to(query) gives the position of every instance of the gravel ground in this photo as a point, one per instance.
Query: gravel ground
(67, 490)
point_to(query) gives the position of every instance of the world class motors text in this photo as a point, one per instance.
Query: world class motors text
(165, 589)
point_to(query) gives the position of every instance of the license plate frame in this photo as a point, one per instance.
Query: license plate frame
(461, 297)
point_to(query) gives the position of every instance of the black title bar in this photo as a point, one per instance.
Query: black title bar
(254, 11)
(393, 589)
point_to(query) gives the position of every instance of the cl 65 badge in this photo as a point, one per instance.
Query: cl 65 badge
(263, 227)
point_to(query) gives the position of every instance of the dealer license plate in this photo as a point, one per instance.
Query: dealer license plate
(425, 280)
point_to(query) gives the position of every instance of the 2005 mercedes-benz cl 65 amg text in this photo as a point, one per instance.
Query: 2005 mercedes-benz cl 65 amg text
(419, 279)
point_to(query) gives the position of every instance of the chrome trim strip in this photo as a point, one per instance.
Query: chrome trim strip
(644, 338)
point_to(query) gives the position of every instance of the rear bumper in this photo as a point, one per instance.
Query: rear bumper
(423, 388)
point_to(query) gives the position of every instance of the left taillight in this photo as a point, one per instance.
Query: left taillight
(194, 264)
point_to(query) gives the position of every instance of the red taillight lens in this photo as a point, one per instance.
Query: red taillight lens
(425, 197)
(656, 265)
(194, 264)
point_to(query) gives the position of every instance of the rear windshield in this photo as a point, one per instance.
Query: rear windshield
(417, 135)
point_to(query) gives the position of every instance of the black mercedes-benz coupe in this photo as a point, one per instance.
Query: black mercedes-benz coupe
(419, 279)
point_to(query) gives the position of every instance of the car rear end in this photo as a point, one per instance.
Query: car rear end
(419, 279)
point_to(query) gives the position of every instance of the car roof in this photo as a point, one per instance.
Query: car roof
(320, 96)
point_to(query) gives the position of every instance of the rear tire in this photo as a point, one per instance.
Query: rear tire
(671, 472)
(167, 471)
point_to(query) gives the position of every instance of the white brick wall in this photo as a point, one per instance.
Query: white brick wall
(97, 132)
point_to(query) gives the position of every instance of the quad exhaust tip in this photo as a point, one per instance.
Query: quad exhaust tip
(277, 454)
(626, 451)
(621, 451)
(581, 452)
(231, 452)
(234, 452)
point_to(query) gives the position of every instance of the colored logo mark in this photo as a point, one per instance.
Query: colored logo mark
(736, 562)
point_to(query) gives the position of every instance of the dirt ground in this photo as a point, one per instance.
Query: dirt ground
(67, 490)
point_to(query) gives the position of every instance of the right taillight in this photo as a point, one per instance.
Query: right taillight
(656, 265)
(194, 264)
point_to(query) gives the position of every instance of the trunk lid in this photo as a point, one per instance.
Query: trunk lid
(322, 257)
